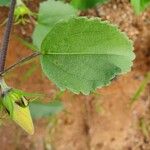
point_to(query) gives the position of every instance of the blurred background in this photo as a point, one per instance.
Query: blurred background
(105, 120)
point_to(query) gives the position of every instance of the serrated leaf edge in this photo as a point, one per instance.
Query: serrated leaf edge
(114, 75)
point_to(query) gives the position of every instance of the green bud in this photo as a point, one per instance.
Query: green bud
(15, 102)
(21, 11)
(12, 96)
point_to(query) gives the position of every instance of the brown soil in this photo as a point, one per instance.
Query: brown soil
(103, 121)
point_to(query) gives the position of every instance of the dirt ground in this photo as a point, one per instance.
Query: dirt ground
(101, 121)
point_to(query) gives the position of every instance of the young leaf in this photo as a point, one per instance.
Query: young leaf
(50, 12)
(88, 54)
(84, 4)
(4, 2)
(140, 5)
(39, 110)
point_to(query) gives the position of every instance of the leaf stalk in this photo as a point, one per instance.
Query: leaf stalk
(4, 47)
(23, 60)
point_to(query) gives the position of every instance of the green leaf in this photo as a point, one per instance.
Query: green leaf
(141, 88)
(4, 2)
(82, 54)
(50, 12)
(140, 5)
(8, 104)
(84, 4)
(39, 110)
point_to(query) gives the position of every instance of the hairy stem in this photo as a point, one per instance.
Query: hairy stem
(4, 47)
(19, 63)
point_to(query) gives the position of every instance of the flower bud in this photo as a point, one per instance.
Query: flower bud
(21, 11)
(16, 104)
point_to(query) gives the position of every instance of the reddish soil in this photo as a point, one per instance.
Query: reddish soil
(103, 121)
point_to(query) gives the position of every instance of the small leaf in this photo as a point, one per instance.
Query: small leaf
(88, 54)
(84, 4)
(39, 110)
(8, 103)
(1, 109)
(140, 5)
(50, 12)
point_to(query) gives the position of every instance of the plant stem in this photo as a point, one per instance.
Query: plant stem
(3, 51)
(33, 55)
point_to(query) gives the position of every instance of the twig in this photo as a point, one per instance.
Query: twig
(19, 63)
(3, 51)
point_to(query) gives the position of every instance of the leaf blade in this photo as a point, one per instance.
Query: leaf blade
(39, 110)
(50, 12)
(140, 5)
(88, 54)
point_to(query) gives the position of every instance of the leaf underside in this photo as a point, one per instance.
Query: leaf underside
(82, 54)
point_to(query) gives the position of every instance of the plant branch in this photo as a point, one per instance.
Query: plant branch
(3, 51)
(23, 60)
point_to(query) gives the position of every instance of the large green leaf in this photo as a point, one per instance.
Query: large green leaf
(4, 2)
(82, 54)
(39, 110)
(84, 4)
(140, 5)
(50, 12)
